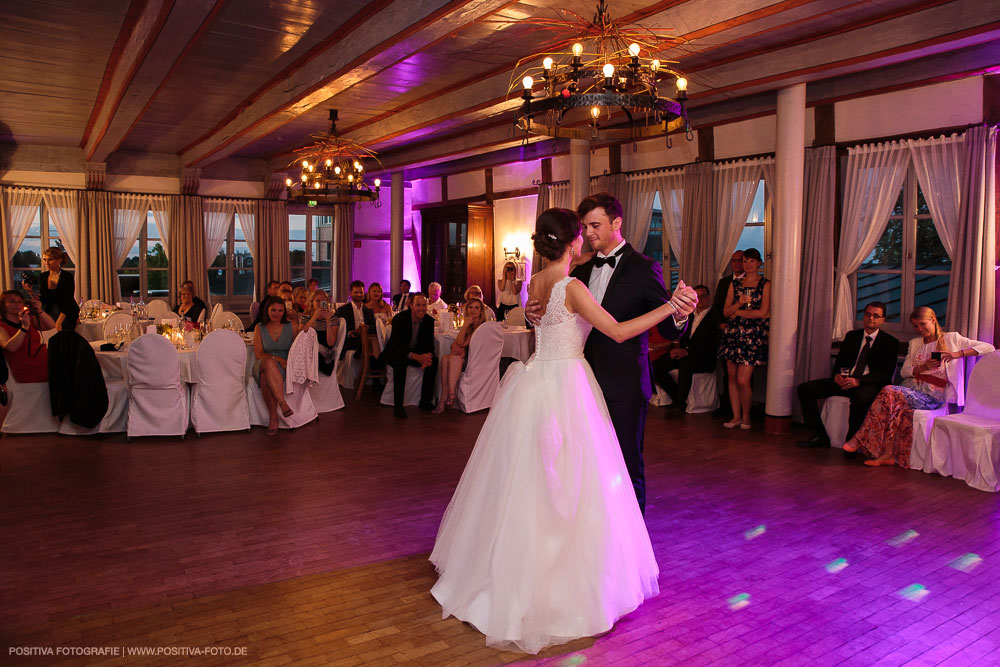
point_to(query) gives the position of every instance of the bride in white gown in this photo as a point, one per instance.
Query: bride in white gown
(543, 541)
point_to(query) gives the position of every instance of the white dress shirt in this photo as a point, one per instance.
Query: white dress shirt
(698, 316)
(435, 307)
(359, 315)
(872, 344)
(600, 276)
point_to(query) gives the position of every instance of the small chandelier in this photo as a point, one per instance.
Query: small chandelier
(331, 171)
(608, 67)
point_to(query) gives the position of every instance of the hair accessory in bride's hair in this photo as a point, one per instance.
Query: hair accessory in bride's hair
(552, 236)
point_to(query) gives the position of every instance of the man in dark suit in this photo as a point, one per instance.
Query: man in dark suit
(695, 352)
(627, 284)
(722, 289)
(411, 343)
(400, 300)
(356, 315)
(865, 364)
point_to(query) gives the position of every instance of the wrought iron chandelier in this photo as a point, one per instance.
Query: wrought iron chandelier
(607, 68)
(331, 171)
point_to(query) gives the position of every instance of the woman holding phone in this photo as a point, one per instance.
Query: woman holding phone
(929, 376)
(319, 316)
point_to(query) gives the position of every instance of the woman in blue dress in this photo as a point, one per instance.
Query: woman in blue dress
(272, 339)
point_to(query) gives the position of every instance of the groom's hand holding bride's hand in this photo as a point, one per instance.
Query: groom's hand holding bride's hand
(533, 312)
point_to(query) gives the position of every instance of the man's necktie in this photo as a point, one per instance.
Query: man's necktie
(859, 368)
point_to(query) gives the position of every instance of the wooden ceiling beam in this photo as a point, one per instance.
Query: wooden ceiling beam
(381, 39)
(163, 32)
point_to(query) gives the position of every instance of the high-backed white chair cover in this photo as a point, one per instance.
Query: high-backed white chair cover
(414, 384)
(158, 400)
(254, 310)
(304, 351)
(479, 381)
(967, 445)
(921, 457)
(157, 308)
(835, 414)
(30, 410)
(115, 320)
(226, 317)
(216, 310)
(326, 394)
(515, 316)
(218, 399)
(115, 419)
(349, 368)
(704, 394)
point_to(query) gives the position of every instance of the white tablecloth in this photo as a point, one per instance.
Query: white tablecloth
(518, 343)
(91, 329)
(114, 365)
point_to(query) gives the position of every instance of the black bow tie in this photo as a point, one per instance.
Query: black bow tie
(610, 261)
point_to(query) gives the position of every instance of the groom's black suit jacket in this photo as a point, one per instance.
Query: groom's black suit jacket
(636, 287)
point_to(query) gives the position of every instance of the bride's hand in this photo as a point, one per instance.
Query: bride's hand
(685, 298)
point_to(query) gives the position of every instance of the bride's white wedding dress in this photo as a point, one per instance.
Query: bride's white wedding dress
(543, 541)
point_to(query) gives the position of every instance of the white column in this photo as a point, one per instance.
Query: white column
(579, 171)
(396, 233)
(786, 235)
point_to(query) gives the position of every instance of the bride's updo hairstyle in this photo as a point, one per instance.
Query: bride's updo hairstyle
(555, 229)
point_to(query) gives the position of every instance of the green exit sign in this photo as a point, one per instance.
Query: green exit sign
(313, 202)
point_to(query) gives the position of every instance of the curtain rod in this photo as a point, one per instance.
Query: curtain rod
(141, 194)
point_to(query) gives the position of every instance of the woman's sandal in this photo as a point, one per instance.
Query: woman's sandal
(732, 424)
(272, 427)
(439, 409)
(286, 411)
(450, 402)
(874, 463)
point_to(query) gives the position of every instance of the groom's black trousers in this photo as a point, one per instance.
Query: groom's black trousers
(629, 420)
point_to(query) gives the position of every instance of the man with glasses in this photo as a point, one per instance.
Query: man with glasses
(865, 364)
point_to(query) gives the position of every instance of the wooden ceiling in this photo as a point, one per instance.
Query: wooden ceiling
(422, 80)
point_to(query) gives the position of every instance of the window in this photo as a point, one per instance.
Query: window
(756, 230)
(310, 247)
(658, 247)
(908, 266)
(41, 234)
(143, 275)
(230, 278)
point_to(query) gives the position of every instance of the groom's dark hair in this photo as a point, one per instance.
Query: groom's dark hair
(604, 200)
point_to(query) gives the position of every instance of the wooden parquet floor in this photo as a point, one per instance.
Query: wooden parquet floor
(311, 548)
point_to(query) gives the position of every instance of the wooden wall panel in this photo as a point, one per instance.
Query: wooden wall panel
(480, 257)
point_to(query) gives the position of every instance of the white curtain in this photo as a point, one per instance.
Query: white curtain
(218, 216)
(62, 206)
(22, 206)
(160, 208)
(875, 174)
(938, 163)
(247, 211)
(130, 216)
(640, 191)
(734, 190)
(671, 188)
(559, 195)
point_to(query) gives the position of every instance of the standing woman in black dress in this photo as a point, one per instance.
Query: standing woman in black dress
(57, 288)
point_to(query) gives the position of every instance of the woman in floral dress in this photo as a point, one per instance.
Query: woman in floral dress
(744, 342)
(930, 375)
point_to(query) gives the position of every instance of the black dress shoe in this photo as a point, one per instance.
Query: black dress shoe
(850, 455)
(426, 406)
(814, 441)
(399, 411)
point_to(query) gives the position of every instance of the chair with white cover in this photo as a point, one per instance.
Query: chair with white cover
(216, 311)
(301, 372)
(228, 319)
(254, 310)
(478, 383)
(218, 399)
(29, 409)
(923, 423)
(115, 419)
(704, 393)
(515, 317)
(157, 308)
(114, 321)
(967, 445)
(158, 400)
(414, 379)
(326, 393)
(349, 369)
(835, 414)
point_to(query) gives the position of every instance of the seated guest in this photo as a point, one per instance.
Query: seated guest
(319, 316)
(56, 288)
(21, 337)
(509, 290)
(476, 292)
(399, 300)
(300, 301)
(272, 287)
(435, 305)
(272, 339)
(411, 343)
(188, 308)
(285, 294)
(312, 285)
(357, 317)
(929, 377)
(285, 286)
(453, 364)
(190, 285)
(868, 356)
(377, 304)
(695, 352)
(76, 383)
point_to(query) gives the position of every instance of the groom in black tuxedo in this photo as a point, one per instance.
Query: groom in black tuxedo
(627, 284)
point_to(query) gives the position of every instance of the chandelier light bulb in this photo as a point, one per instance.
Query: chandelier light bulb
(378, 182)
(305, 164)
(336, 170)
(609, 70)
(655, 65)
(547, 64)
(633, 48)
(317, 186)
(329, 163)
(527, 82)
(595, 112)
(305, 177)
(350, 178)
(288, 182)
(311, 169)
(357, 166)
(578, 49)
(682, 83)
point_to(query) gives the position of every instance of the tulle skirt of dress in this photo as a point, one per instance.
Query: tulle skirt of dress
(543, 541)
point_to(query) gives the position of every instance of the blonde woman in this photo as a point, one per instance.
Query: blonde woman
(476, 292)
(300, 302)
(377, 304)
(319, 316)
(56, 288)
(929, 375)
(453, 364)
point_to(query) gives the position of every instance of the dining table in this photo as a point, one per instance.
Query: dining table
(114, 363)
(518, 342)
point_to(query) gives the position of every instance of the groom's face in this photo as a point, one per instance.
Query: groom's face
(602, 233)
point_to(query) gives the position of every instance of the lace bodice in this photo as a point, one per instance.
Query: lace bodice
(560, 334)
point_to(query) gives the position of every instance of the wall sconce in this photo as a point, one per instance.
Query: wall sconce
(514, 257)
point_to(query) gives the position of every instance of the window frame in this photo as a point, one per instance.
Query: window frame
(307, 267)
(143, 241)
(231, 301)
(44, 243)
